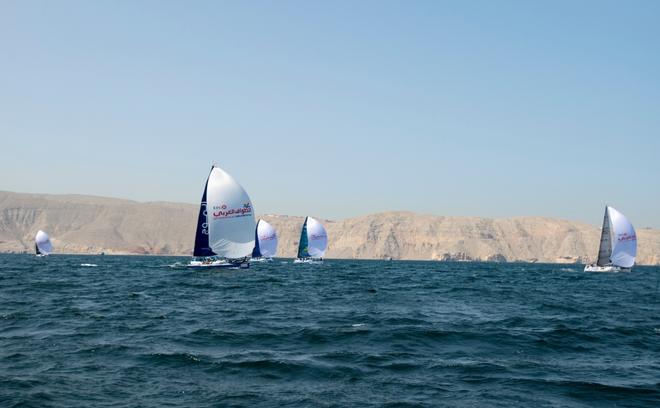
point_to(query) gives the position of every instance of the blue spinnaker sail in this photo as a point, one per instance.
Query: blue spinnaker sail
(256, 252)
(202, 233)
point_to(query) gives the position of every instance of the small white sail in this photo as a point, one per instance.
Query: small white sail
(230, 216)
(624, 240)
(317, 238)
(267, 237)
(43, 244)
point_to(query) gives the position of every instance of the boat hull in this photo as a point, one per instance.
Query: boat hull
(261, 260)
(308, 261)
(606, 268)
(218, 265)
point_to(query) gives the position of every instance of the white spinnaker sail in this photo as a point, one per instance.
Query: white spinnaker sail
(624, 240)
(42, 240)
(267, 237)
(230, 216)
(317, 238)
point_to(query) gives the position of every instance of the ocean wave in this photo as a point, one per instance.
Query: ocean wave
(358, 334)
(594, 391)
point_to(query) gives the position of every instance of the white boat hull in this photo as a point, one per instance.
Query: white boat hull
(308, 261)
(606, 268)
(261, 260)
(218, 264)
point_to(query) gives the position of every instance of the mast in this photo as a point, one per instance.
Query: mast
(605, 248)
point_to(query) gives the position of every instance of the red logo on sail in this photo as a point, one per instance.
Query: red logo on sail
(223, 211)
(626, 237)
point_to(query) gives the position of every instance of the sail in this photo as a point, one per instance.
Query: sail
(317, 238)
(230, 216)
(605, 249)
(256, 252)
(42, 242)
(303, 243)
(202, 232)
(265, 240)
(624, 240)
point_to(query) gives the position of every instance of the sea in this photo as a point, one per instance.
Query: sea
(142, 331)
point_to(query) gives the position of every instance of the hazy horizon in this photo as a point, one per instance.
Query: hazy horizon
(489, 109)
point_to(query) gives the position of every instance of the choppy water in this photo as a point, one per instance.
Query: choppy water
(133, 331)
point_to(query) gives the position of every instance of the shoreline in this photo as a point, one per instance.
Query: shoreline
(519, 262)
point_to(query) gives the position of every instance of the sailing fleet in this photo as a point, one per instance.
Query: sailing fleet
(227, 236)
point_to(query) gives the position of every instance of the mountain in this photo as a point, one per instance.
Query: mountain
(86, 224)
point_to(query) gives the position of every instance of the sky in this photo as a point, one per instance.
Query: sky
(338, 109)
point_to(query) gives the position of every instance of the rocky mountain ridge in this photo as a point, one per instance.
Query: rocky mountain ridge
(87, 224)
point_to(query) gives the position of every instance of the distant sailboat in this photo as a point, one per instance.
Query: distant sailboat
(265, 242)
(618, 244)
(42, 244)
(225, 225)
(313, 242)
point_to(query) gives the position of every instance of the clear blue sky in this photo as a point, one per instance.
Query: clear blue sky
(337, 109)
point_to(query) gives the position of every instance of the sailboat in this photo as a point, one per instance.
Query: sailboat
(313, 242)
(618, 244)
(225, 225)
(265, 242)
(42, 244)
